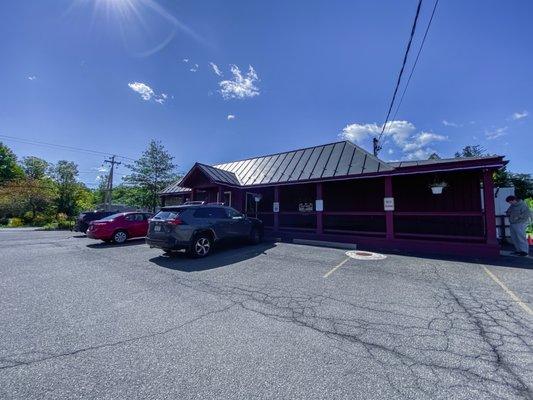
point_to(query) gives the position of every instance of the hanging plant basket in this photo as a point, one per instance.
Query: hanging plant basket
(438, 187)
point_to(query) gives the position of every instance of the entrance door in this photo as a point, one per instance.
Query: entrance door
(250, 206)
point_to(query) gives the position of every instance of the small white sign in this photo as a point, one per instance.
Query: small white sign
(275, 206)
(319, 205)
(388, 203)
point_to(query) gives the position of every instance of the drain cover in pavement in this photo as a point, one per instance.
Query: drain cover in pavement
(365, 255)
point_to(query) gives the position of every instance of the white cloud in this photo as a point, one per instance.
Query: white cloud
(496, 133)
(519, 115)
(32, 77)
(420, 141)
(420, 154)
(194, 68)
(230, 117)
(402, 133)
(216, 70)
(449, 123)
(161, 98)
(147, 93)
(240, 87)
(399, 131)
(185, 60)
(143, 89)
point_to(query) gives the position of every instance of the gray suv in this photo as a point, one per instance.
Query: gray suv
(196, 228)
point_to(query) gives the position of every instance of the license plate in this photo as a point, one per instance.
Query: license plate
(157, 228)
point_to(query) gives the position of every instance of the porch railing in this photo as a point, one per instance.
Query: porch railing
(450, 226)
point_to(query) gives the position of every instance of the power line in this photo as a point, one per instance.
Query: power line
(416, 59)
(61, 146)
(377, 147)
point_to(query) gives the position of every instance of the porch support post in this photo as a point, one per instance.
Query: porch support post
(220, 198)
(276, 214)
(389, 215)
(319, 216)
(193, 194)
(490, 210)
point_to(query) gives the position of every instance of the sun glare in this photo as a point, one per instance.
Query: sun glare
(144, 25)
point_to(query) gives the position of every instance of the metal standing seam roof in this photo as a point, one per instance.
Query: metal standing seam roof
(324, 161)
(175, 188)
(331, 160)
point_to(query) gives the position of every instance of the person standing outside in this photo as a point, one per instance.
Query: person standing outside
(519, 217)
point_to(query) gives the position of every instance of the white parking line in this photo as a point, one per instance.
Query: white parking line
(509, 292)
(336, 267)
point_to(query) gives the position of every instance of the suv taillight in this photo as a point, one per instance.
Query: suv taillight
(175, 221)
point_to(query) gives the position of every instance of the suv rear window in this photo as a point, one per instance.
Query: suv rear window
(168, 214)
(210, 212)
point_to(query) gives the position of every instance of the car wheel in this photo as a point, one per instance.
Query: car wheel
(255, 236)
(120, 237)
(201, 246)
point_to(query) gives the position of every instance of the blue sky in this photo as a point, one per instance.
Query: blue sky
(110, 75)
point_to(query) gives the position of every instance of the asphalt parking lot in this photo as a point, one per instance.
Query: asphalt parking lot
(81, 319)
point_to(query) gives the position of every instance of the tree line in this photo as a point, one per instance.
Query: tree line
(36, 192)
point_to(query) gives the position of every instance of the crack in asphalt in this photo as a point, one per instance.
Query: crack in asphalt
(16, 363)
(470, 343)
(495, 360)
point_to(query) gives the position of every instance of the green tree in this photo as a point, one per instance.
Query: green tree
(132, 196)
(9, 169)
(152, 172)
(64, 174)
(471, 151)
(522, 183)
(34, 195)
(84, 198)
(100, 191)
(35, 167)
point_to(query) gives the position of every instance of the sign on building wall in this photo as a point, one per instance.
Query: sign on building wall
(388, 203)
(319, 205)
(275, 207)
(305, 207)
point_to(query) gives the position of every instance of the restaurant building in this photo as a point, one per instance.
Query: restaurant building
(340, 192)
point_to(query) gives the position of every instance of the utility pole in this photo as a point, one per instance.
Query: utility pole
(109, 188)
(376, 146)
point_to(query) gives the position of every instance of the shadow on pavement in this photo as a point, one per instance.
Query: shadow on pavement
(222, 256)
(105, 245)
(501, 261)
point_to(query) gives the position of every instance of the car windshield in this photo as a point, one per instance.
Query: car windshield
(167, 214)
(110, 217)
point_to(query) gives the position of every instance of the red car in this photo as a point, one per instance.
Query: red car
(119, 227)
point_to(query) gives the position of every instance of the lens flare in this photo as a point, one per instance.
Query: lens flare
(144, 25)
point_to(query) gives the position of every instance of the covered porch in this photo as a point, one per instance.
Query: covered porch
(340, 193)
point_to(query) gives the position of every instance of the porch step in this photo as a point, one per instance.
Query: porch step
(323, 243)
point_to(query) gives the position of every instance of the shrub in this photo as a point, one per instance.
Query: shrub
(65, 224)
(61, 225)
(28, 217)
(40, 220)
(61, 217)
(15, 222)
(50, 226)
